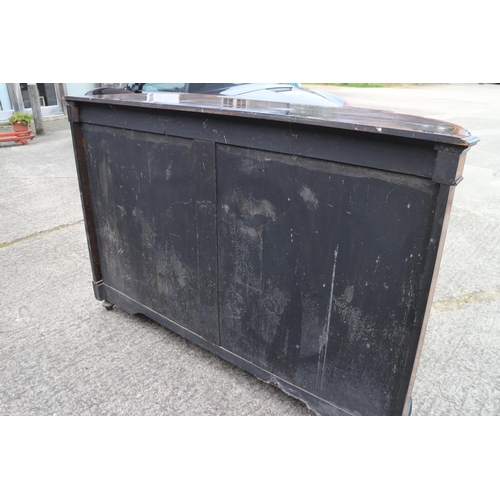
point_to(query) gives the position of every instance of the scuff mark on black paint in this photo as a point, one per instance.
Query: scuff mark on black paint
(323, 339)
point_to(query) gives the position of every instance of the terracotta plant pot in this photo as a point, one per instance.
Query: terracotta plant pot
(19, 127)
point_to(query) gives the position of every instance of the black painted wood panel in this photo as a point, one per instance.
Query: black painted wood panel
(356, 148)
(321, 272)
(154, 210)
(300, 244)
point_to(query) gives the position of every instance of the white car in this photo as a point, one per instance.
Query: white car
(274, 92)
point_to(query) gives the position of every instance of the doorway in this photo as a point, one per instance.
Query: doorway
(49, 101)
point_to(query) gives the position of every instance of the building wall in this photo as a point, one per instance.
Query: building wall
(5, 102)
(52, 103)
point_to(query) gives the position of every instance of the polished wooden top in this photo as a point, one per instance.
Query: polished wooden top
(347, 118)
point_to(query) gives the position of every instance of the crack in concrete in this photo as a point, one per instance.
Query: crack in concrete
(438, 387)
(39, 233)
(480, 297)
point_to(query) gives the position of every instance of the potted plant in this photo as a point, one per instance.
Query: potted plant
(20, 120)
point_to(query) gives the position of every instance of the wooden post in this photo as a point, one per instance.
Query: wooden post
(16, 97)
(35, 108)
(61, 91)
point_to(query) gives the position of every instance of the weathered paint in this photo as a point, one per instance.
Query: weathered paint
(300, 244)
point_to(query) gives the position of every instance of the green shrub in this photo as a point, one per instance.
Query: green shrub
(21, 117)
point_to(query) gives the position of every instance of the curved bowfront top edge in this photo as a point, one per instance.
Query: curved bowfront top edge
(347, 118)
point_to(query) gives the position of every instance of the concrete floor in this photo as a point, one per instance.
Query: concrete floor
(62, 353)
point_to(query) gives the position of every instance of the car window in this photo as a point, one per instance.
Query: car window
(209, 88)
(163, 87)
